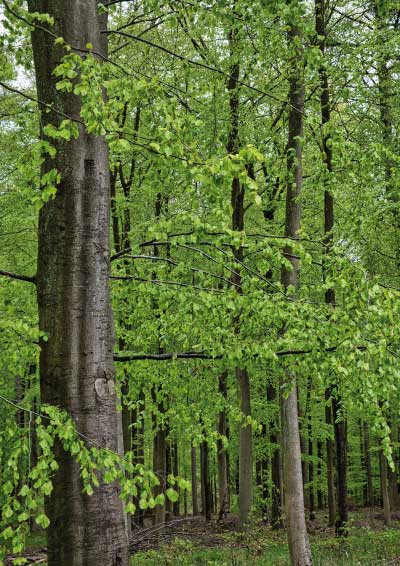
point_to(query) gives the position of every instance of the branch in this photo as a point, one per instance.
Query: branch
(191, 62)
(120, 357)
(166, 356)
(27, 278)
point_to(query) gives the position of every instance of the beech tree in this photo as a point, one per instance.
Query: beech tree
(76, 356)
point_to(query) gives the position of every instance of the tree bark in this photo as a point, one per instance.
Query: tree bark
(76, 363)
(340, 428)
(330, 460)
(195, 505)
(276, 508)
(387, 516)
(206, 495)
(368, 467)
(299, 547)
(242, 377)
(221, 452)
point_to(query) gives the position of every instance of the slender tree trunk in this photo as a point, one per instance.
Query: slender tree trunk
(340, 427)
(368, 467)
(320, 501)
(276, 512)
(160, 469)
(221, 452)
(138, 448)
(176, 505)
(195, 506)
(76, 362)
(206, 495)
(392, 474)
(299, 547)
(330, 461)
(387, 516)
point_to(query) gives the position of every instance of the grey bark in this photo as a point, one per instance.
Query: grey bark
(195, 505)
(76, 363)
(299, 547)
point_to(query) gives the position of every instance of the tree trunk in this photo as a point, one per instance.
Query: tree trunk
(299, 548)
(340, 428)
(320, 501)
(237, 201)
(76, 362)
(330, 461)
(176, 505)
(206, 495)
(368, 467)
(387, 516)
(160, 469)
(276, 508)
(195, 505)
(221, 451)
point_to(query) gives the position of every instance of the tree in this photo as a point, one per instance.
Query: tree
(76, 358)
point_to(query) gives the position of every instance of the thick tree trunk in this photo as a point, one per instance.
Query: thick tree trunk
(304, 450)
(76, 363)
(339, 427)
(299, 548)
(311, 500)
(237, 200)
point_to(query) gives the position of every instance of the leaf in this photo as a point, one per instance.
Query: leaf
(172, 494)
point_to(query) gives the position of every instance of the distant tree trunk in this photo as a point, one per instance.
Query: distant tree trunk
(368, 467)
(206, 495)
(276, 507)
(311, 500)
(159, 455)
(138, 448)
(330, 461)
(392, 474)
(76, 362)
(340, 428)
(168, 472)
(262, 465)
(221, 452)
(320, 501)
(176, 505)
(195, 506)
(387, 516)
(299, 548)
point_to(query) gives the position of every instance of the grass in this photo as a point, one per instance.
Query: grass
(368, 544)
(261, 547)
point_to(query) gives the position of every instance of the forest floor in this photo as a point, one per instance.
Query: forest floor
(192, 542)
